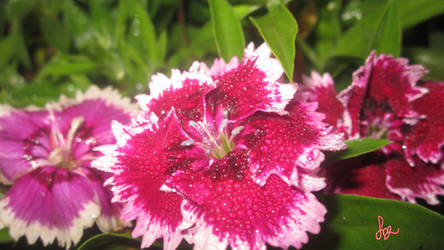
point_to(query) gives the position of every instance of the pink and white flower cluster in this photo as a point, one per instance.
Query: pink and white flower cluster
(387, 100)
(221, 156)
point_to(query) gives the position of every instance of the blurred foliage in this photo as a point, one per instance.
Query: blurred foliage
(53, 47)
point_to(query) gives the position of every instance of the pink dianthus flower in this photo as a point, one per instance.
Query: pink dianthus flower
(222, 156)
(45, 154)
(386, 101)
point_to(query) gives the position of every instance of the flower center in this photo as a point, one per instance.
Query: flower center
(218, 144)
(224, 147)
(61, 155)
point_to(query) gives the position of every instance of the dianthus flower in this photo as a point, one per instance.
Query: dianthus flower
(385, 102)
(221, 157)
(45, 154)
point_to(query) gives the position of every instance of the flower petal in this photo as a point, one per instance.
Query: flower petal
(289, 146)
(109, 219)
(22, 141)
(251, 86)
(185, 92)
(226, 207)
(97, 116)
(364, 175)
(321, 89)
(421, 181)
(49, 203)
(140, 166)
(426, 139)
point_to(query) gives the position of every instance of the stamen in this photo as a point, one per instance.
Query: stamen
(61, 154)
(201, 128)
(218, 146)
(187, 143)
(75, 125)
(236, 131)
(56, 136)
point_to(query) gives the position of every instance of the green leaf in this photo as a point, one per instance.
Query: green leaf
(63, 64)
(162, 45)
(201, 42)
(279, 28)
(244, 10)
(111, 241)
(55, 32)
(17, 9)
(7, 48)
(4, 236)
(431, 58)
(101, 17)
(141, 34)
(361, 146)
(226, 30)
(368, 18)
(327, 32)
(20, 45)
(357, 41)
(79, 24)
(147, 34)
(412, 12)
(352, 223)
(39, 93)
(388, 36)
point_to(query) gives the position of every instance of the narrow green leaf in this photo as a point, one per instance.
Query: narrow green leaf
(370, 13)
(17, 9)
(361, 146)
(2, 17)
(162, 45)
(55, 32)
(78, 23)
(357, 40)
(7, 48)
(141, 34)
(352, 223)
(244, 10)
(327, 32)
(279, 28)
(111, 241)
(63, 64)
(388, 36)
(20, 45)
(101, 16)
(147, 33)
(201, 43)
(227, 30)
(412, 12)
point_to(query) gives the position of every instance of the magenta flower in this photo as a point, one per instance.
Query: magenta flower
(379, 99)
(45, 154)
(385, 102)
(422, 146)
(221, 157)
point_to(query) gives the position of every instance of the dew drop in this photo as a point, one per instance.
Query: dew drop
(225, 203)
